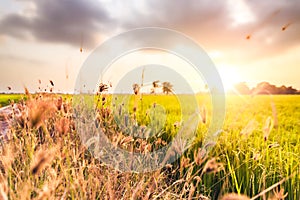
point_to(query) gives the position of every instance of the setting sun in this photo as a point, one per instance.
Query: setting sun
(229, 77)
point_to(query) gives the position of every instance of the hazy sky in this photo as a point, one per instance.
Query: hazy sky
(41, 39)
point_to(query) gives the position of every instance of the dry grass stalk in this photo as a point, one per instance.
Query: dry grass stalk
(184, 162)
(42, 158)
(212, 166)
(257, 156)
(272, 187)
(39, 110)
(136, 88)
(110, 186)
(27, 93)
(59, 103)
(234, 196)
(249, 128)
(137, 190)
(267, 128)
(3, 190)
(8, 155)
(274, 113)
(203, 114)
(191, 191)
(200, 156)
(45, 193)
(177, 124)
(279, 195)
(273, 145)
(63, 125)
(77, 174)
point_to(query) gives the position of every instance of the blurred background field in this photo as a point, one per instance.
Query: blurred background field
(6, 99)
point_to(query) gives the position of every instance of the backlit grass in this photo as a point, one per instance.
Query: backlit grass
(258, 147)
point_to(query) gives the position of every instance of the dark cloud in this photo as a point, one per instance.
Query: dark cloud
(64, 21)
(14, 24)
(8, 58)
(271, 20)
(199, 19)
(208, 22)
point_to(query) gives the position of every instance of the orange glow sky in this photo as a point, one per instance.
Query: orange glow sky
(41, 39)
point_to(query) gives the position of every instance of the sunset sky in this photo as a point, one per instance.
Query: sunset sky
(249, 40)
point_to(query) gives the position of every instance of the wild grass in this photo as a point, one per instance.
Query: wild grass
(44, 156)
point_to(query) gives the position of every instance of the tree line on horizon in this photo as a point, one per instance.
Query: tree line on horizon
(166, 87)
(264, 88)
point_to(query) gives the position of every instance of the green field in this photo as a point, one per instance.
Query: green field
(258, 147)
(276, 158)
(6, 99)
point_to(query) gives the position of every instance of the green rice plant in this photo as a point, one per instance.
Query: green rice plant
(45, 157)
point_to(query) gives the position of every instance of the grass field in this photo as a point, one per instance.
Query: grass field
(256, 151)
(6, 99)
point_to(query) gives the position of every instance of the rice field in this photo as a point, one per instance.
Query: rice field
(256, 155)
(6, 99)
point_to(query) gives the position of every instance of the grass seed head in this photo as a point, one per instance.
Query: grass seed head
(184, 162)
(38, 111)
(136, 88)
(256, 156)
(42, 159)
(267, 128)
(249, 128)
(63, 126)
(273, 145)
(52, 83)
(27, 92)
(203, 114)
(103, 87)
(177, 124)
(200, 156)
(212, 166)
(59, 103)
(279, 195)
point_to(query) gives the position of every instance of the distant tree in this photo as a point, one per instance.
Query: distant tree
(242, 88)
(264, 88)
(282, 89)
(136, 88)
(267, 88)
(291, 90)
(167, 87)
(155, 86)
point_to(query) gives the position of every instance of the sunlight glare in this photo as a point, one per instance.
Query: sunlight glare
(240, 12)
(229, 77)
